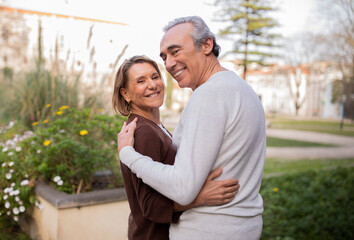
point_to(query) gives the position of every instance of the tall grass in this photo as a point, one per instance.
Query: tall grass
(37, 94)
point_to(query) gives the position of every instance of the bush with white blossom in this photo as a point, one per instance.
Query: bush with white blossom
(63, 151)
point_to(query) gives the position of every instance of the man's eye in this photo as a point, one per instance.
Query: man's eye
(174, 52)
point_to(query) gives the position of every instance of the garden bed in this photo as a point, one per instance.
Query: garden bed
(101, 214)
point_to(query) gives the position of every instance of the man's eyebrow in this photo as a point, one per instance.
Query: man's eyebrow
(169, 49)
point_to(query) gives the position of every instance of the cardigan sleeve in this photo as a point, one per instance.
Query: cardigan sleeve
(204, 121)
(153, 205)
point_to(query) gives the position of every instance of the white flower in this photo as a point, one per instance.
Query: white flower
(57, 179)
(22, 209)
(60, 182)
(11, 170)
(15, 193)
(40, 207)
(5, 149)
(16, 211)
(5, 197)
(24, 182)
(7, 205)
(18, 149)
(10, 154)
(15, 218)
(61, 131)
(8, 213)
(38, 151)
(8, 176)
(10, 143)
(26, 176)
(4, 164)
(17, 199)
(33, 142)
(11, 163)
(11, 123)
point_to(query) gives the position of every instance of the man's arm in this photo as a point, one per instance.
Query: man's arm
(213, 192)
(203, 130)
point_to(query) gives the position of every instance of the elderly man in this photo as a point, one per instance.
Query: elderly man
(223, 125)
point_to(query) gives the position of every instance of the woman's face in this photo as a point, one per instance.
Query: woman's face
(145, 88)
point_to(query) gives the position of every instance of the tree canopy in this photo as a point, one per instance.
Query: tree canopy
(249, 27)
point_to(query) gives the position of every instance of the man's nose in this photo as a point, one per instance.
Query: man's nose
(170, 63)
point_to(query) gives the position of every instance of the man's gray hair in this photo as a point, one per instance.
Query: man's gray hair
(200, 34)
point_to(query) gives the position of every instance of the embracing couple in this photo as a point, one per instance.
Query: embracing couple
(203, 182)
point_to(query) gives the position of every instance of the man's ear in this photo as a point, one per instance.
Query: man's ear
(125, 94)
(208, 46)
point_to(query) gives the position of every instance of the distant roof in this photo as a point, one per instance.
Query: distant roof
(24, 11)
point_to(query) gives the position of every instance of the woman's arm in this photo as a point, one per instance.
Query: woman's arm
(213, 192)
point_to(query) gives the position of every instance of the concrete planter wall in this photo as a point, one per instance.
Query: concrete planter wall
(101, 215)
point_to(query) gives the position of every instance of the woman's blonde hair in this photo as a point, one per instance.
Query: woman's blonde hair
(120, 105)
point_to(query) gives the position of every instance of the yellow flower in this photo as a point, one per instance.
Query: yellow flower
(63, 107)
(45, 121)
(275, 189)
(100, 109)
(34, 124)
(59, 113)
(83, 132)
(48, 105)
(46, 142)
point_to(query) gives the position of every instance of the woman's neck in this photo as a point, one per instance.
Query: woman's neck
(153, 115)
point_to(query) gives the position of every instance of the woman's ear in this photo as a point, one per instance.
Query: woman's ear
(125, 94)
(208, 46)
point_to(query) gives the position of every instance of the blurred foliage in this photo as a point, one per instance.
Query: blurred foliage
(65, 150)
(309, 205)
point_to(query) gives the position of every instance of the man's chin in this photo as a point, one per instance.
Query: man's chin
(181, 84)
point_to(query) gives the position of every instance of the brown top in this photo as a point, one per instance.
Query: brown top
(151, 212)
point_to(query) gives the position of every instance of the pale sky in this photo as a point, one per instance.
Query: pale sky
(146, 19)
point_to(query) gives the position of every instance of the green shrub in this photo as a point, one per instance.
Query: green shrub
(309, 205)
(64, 150)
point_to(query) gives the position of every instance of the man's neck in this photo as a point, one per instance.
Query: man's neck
(212, 67)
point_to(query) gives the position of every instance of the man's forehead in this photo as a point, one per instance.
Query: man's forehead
(175, 35)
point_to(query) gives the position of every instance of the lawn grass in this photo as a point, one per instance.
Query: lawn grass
(280, 166)
(281, 142)
(323, 126)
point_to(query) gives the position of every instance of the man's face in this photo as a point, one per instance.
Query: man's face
(182, 60)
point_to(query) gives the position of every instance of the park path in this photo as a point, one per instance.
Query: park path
(344, 145)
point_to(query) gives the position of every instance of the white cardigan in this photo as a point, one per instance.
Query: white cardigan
(223, 125)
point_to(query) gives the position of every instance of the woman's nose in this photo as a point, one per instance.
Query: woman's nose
(152, 84)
